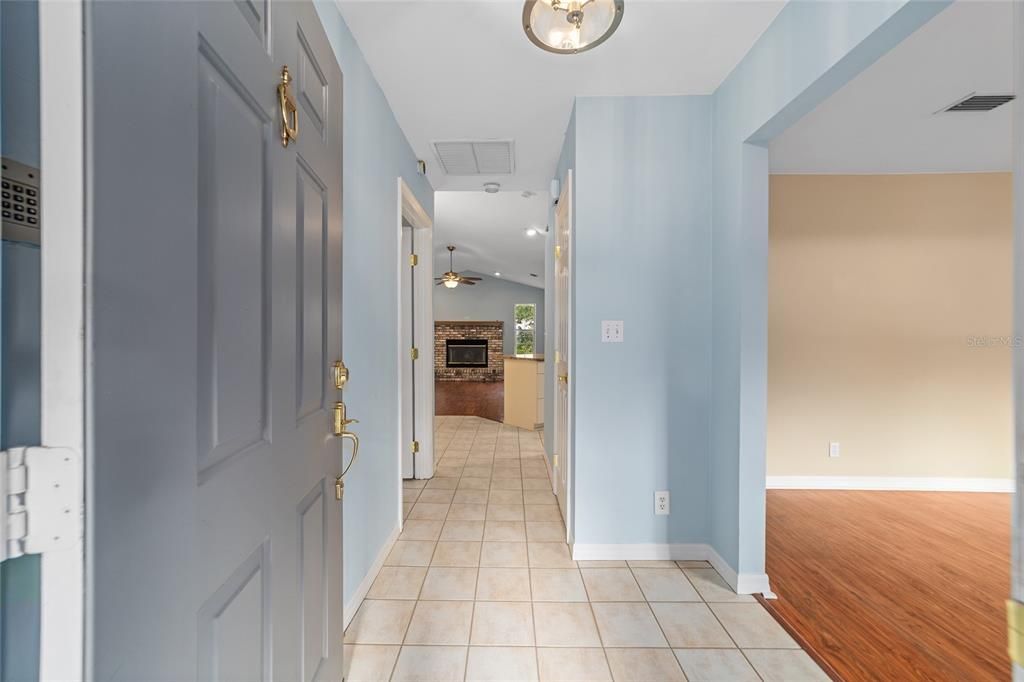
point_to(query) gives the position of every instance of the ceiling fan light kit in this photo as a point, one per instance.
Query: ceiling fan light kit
(570, 26)
(452, 279)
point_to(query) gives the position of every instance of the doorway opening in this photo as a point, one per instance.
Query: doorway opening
(890, 349)
(415, 314)
(489, 332)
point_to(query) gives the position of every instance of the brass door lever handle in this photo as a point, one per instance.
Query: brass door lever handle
(339, 482)
(341, 421)
(355, 450)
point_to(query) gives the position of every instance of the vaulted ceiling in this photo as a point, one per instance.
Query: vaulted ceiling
(489, 231)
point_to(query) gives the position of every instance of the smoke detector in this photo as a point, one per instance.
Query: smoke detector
(491, 187)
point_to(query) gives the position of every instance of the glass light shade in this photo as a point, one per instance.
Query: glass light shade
(570, 26)
(451, 283)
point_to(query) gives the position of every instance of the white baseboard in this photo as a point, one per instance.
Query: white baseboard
(743, 583)
(921, 483)
(645, 552)
(364, 587)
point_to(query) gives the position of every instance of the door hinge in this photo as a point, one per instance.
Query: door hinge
(414, 353)
(414, 260)
(554, 463)
(415, 446)
(42, 500)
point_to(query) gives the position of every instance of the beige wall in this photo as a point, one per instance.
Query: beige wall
(888, 295)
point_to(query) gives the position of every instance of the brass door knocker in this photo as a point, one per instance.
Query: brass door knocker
(289, 112)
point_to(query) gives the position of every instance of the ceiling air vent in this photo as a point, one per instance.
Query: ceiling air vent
(974, 102)
(476, 157)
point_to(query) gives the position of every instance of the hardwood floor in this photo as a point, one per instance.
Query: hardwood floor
(470, 398)
(893, 585)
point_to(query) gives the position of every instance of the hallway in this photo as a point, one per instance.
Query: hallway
(480, 586)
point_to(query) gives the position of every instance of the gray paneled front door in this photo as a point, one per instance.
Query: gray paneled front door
(215, 278)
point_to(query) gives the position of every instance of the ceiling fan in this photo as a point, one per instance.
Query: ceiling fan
(452, 279)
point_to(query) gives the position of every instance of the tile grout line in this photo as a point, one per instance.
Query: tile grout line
(654, 615)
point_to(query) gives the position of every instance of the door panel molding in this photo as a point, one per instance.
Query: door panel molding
(311, 248)
(256, 14)
(253, 571)
(313, 590)
(312, 85)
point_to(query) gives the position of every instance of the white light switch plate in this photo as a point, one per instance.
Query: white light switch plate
(611, 331)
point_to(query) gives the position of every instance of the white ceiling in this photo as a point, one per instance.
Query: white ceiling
(489, 233)
(883, 121)
(466, 70)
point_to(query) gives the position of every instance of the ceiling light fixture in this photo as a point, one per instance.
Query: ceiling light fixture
(452, 279)
(497, 274)
(532, 232)
(491, 187)
(570, 26)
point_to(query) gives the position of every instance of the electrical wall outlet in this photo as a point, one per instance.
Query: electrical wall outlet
(611, 331)
(662, 503)
(833, 449)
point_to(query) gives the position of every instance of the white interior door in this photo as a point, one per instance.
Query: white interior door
(407, 327)
(563, 348)
(215, 317)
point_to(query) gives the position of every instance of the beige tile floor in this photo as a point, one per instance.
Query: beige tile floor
(480, 586)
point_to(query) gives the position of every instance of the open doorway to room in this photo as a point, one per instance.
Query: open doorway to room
(484, 349)
(889, 422)
(489, 332)
(415, 325)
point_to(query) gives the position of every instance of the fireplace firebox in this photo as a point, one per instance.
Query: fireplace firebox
(466, 352)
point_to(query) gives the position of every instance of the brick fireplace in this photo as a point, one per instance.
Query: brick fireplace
(459, 360)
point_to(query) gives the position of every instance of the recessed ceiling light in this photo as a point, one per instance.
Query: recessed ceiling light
(491, 187)
(497, 274)
(531, 232)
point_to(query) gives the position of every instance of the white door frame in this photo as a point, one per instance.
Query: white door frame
(62, 653)
(1017, 533)
(570, 314)
(414, 214)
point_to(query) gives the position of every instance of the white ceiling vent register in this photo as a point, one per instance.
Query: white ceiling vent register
(476, 157)
(976, 102)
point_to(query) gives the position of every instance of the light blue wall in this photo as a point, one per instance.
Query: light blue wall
(676, 188)
(20, 357)
(19, 365)
(491, 299)
(375, 154)
(19, 392)
(19, 55)
(810, 51)
(642, 255)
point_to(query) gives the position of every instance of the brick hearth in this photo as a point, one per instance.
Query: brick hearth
(491, 330)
